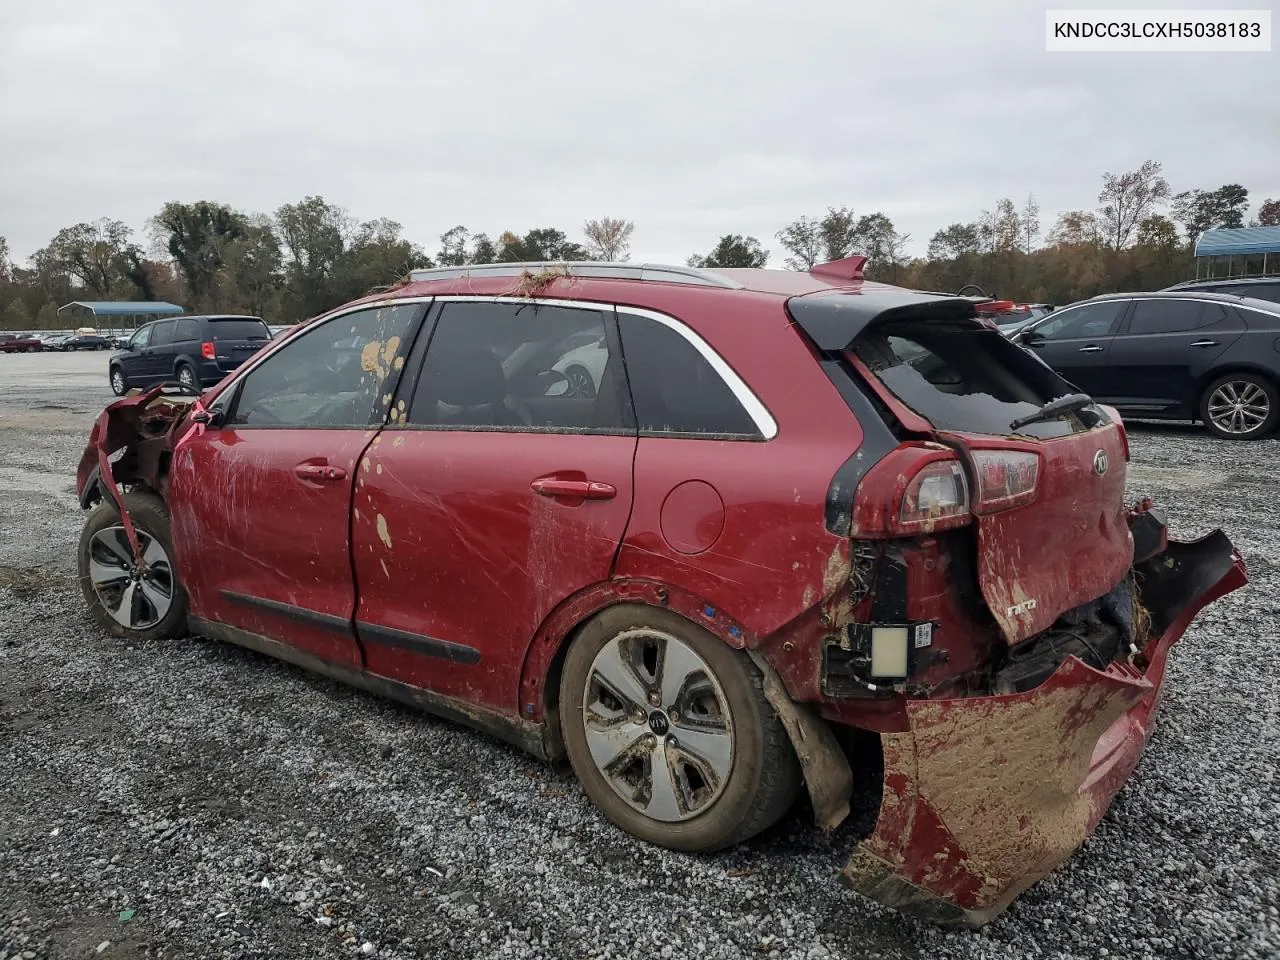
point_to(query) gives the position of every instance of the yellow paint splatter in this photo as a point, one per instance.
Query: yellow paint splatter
(399, 442)
(395, 414)
(369, 356)
(379, 468)
(383, 533)
(400, 406)
(364, 464)
(386, 398)
(385, 572)
(398, 364)
(389, 351)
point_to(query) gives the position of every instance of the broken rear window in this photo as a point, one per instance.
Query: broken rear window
(964, 379)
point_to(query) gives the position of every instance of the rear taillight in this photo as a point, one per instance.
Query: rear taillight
(206, 350)
(1005, 478)
(915, 489)
(936, 497)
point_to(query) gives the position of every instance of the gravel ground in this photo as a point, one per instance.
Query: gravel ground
(198, 800)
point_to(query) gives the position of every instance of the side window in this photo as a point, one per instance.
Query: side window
(142, 338)
(162, 333)
(1090, 320)
(186, 329)
(674, 387)
(339, 374)
(1263, 291)
(516, 365)
(1172, 316)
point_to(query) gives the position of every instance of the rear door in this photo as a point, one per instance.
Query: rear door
(1165, 347)
(1076, 342)
(500, 488)
(261, 503)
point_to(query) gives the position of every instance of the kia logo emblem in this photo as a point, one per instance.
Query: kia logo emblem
(1100, 463)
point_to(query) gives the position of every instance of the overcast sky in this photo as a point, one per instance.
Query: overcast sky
(692, 118)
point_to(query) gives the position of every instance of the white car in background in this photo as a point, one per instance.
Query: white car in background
(583, 367)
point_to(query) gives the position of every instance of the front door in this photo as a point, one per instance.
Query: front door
(506, 491)
(261, 502)
(1076, 342)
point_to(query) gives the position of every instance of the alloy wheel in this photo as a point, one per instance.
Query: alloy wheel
(658, 725)
(1239, 406)
(580, 383)
(135, 596)
(117, 382)
(186, 376)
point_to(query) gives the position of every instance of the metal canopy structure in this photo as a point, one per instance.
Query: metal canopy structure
(122, 310)
(1249, 251)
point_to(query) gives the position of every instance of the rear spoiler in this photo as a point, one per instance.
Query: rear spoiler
(834, 319)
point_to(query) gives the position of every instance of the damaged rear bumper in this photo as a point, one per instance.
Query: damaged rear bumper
(983, 796)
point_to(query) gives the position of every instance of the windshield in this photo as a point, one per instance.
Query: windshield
(238, 328)
(965, 380)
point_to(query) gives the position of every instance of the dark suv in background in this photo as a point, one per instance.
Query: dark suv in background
(196, 351)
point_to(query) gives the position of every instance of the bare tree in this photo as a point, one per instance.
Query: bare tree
(1030, 223)
(609, 239)
(1127, 199)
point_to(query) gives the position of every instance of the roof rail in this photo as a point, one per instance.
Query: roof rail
(600, 270)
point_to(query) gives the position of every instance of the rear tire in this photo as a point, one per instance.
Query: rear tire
(187, 376)
(143, 607)
(669, 732)
(1240, 406)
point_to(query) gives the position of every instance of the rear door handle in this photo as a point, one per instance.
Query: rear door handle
(576, 489)
(1091, 349)
(1205, 343)
(319, 472)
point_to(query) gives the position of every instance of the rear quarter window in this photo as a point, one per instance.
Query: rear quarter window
(675, 389)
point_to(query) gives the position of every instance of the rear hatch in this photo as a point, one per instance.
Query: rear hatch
(236, 339)
(1046, 475)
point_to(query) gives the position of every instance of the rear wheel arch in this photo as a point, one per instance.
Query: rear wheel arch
(1237, 366)
(544, 657)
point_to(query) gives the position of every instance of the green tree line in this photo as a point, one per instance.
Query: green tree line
(312, 255)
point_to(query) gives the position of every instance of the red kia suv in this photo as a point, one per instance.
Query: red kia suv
(688, 529)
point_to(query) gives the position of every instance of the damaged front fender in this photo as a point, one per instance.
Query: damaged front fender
(983, 796)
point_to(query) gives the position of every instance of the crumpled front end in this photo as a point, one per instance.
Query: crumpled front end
(983, 796)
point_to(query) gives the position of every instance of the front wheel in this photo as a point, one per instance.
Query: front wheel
(118, 383)
(142, 601)
(670, 734)
(1240, 406)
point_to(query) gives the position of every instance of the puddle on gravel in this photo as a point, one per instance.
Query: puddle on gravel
(1176, 478)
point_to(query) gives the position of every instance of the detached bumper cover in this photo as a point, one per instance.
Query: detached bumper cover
(984, 796)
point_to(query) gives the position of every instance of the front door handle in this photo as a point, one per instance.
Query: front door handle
(1091, 348)
(575, 489)
(319, 472)
(1205, 343)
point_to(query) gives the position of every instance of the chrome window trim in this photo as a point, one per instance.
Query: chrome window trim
(745, 396)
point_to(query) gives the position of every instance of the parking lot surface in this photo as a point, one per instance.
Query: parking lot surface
(193, 799)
